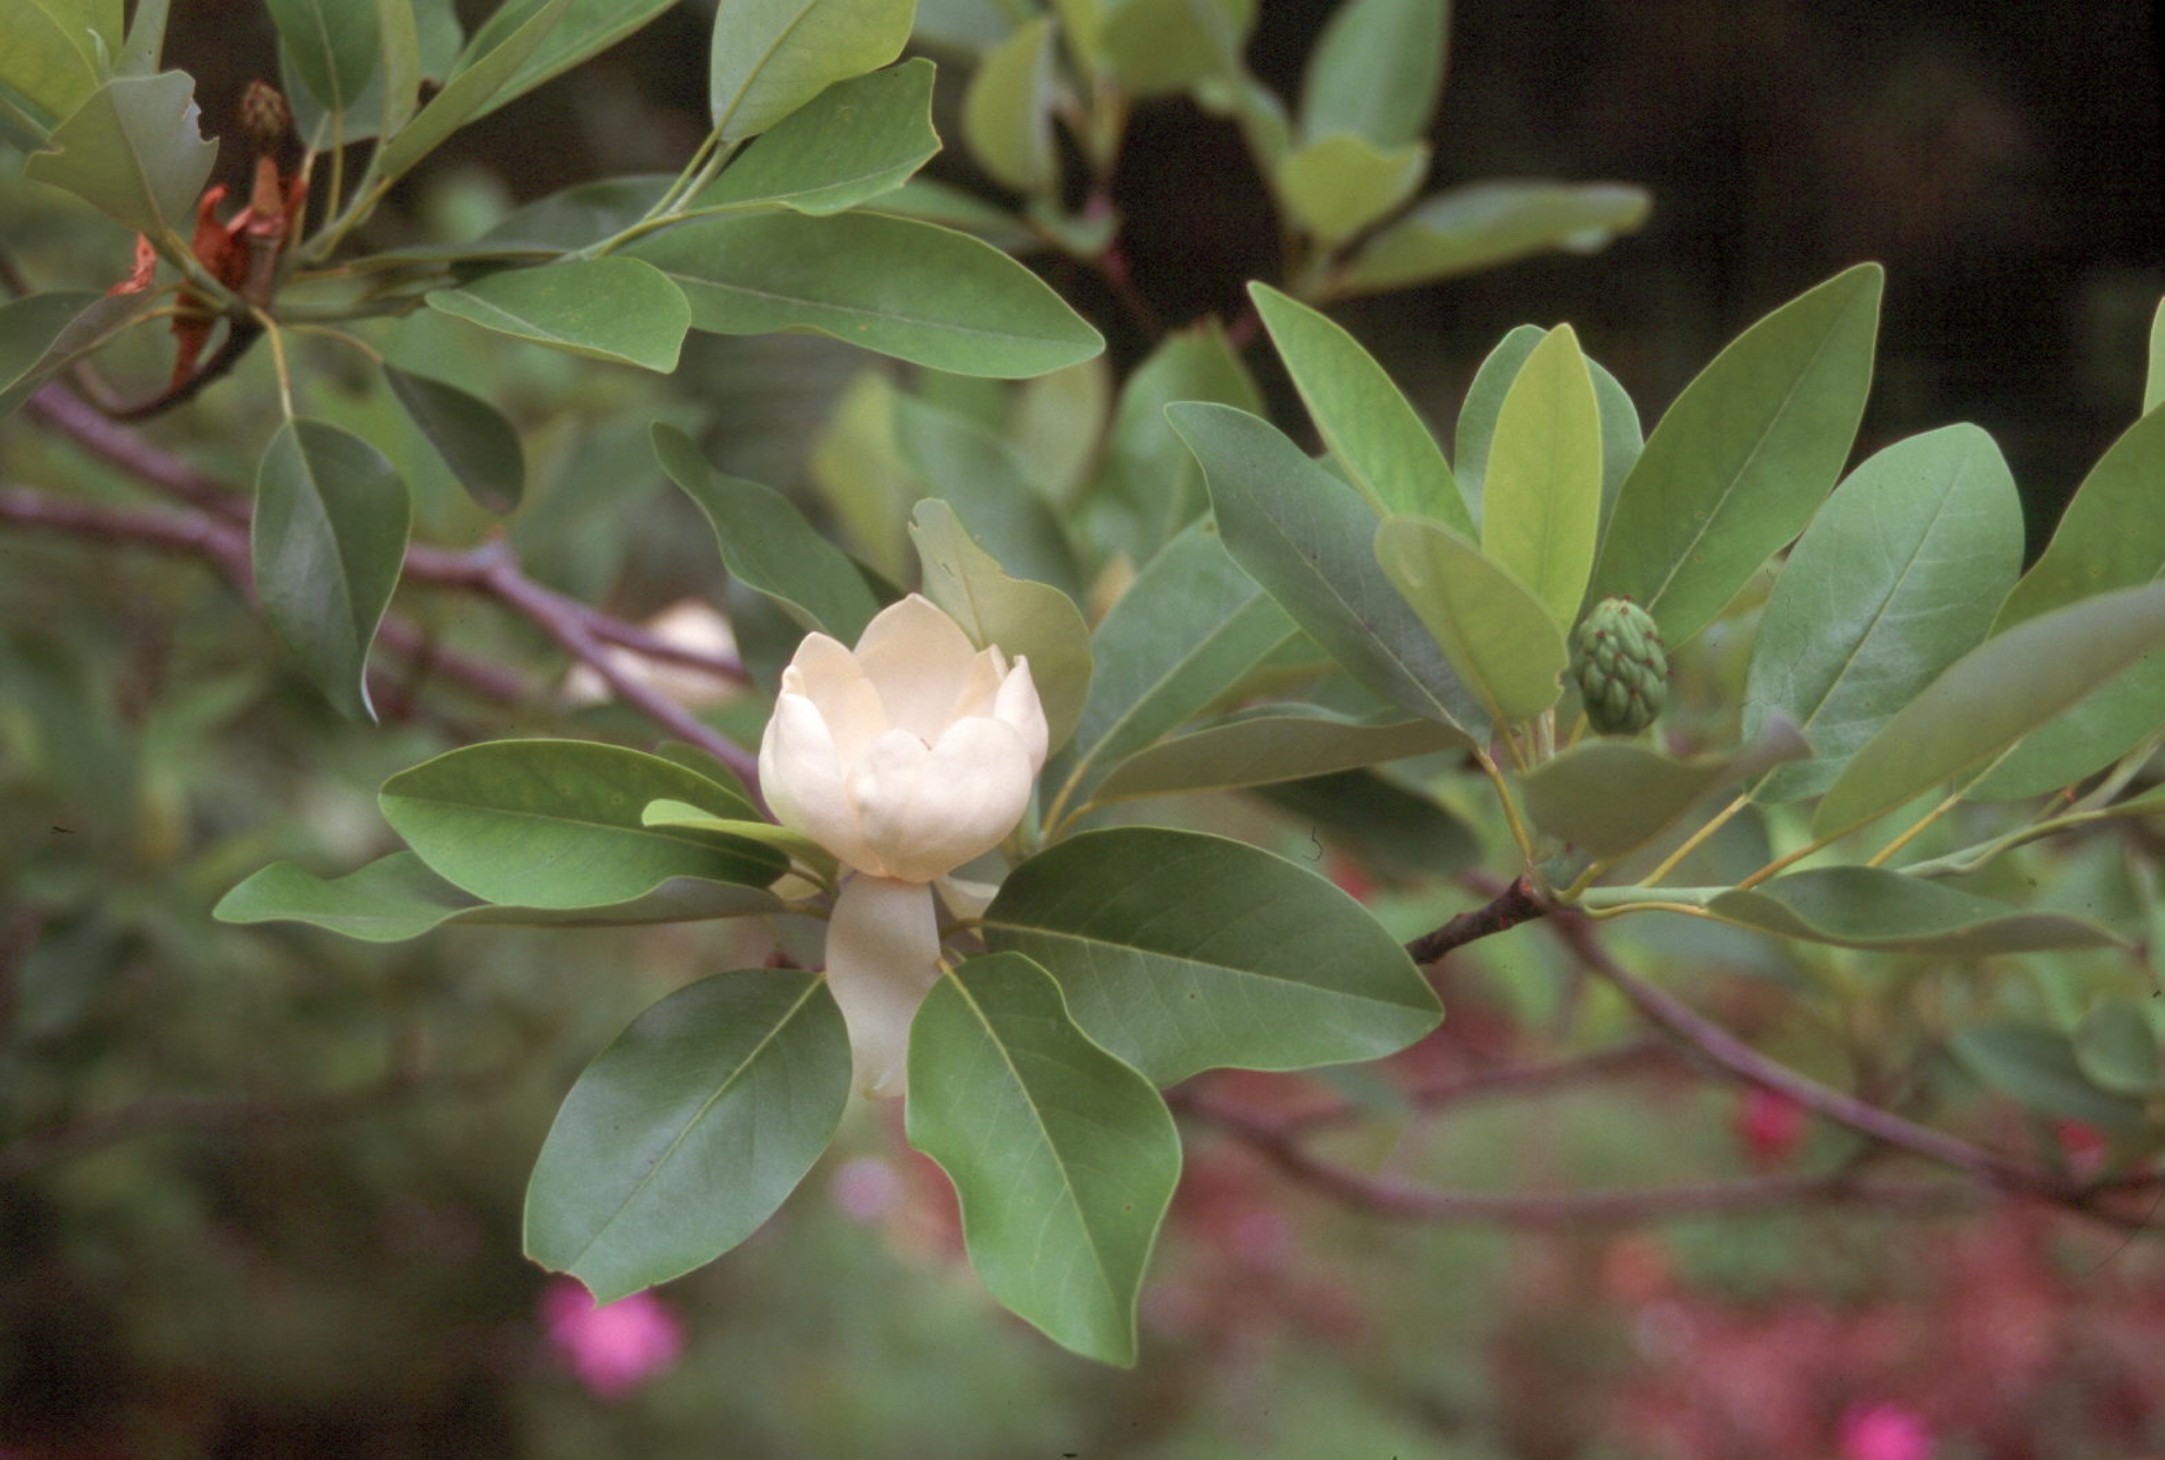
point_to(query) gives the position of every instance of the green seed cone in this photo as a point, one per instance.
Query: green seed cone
(1621, 668)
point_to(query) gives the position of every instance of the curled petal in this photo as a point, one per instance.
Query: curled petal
(830, 677)
(968, 793)
(1018, 705)
(883, 950)
(981, 687)
(920, 660)
(803, 781)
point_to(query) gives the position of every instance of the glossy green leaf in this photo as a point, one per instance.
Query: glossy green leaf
(133, 149)
(892, 285)
(1026, 619)
(1334, 187)
(1309, 540)
(472, 436)
(51, 56)
(1871, 907)
(1377, 70)
(2153, 385)
(1897, 577)
(42, 333)
(397, 898)
(1156, 47)
(478, 79)
(978, 474)
(1149, 479)
(1743, 457)
(1269, 744)
(770, 57)
(686, 1133)
(333, 46)
(1992, 697)
(1541, 501)
(793, 844)
(398, 76)
(2036, 1068)
(768, 546)
(1064, 1158)
(1007, 111)
(1181, 952)
(1369, 426)
(329, 540)
(2116, 1048)
(1479, 226)
(416, 40)
(2111, 536)
(605, 309)
(562, 222)
(1610, 797)
(585, 29)
(1498, 637)
(557, 823)
(1190, 627)
(856, 140)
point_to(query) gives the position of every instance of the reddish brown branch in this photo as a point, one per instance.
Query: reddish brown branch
(1518, 903)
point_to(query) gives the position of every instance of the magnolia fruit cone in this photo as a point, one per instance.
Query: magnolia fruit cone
(905, 757)
(1621, 668)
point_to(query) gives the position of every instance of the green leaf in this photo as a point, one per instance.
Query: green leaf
(2036, 1068)
(1190, 627)
(415, 40)
(768, 546)
(1621, 439)
(1309, 540)
(1157, 47)
(856, 140)
(1610, 797)
(479, 78)
(1269, 744)
(1026, 619)
(475, 441)
(585, 29)
(333, 46)
(684, 1135)
(557, 823)
(1064, 1158)
(133, 150)
(1377, 70)
(605, 309)
(563, 222)
(772, 56)
(397, 898)
(1058, 420)
(1498, 637)
(892, 285)
(42, 333)
(1542, 495)
(2153, 385)
(145, 43)
(1007, 111)
(329, 539)
(1743, 457)
(792, 844)
(1369, 426)
(1382, 821)
(1887, 912)
(1181, 952)
(1990, 698)
(1149, 478)
(1336, 186)
(978, 475)
(1482, 225)
(398, 27)
(1898, 576)
(51, 56)
(2109, 537)
(2116, 1048)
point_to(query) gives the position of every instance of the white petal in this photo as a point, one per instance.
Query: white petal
(966, 899)
(1018, 705)
(981, 689)
(883, 788)
(803, 780)
(968, 794)
(919, 659)
(830, 677)
(883, 949)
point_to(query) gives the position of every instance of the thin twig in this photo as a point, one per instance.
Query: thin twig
(1520, 902)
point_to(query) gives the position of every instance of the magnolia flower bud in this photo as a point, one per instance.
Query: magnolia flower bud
(905, 757)
(1621, 668)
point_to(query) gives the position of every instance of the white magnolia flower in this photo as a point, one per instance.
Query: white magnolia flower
(905, 757)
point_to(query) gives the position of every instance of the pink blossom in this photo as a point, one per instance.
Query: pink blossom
(611, 1349)
(1884, 1432)
(1771, 1126)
